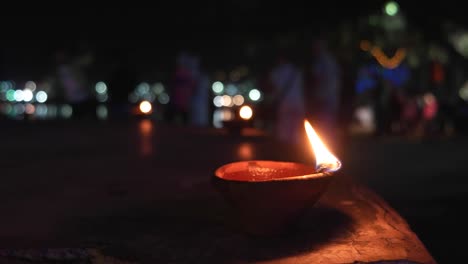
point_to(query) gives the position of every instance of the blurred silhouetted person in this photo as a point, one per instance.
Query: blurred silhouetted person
(324, 98)
(182, 89)
(72, 78)
(122, 81)
(199, 114)
(287, 97)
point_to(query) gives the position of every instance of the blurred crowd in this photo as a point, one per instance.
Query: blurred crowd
(373, 77)
(313, 84)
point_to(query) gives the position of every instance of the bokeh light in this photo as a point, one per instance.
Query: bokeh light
(246, 112)
(245, 151)
(218, 101)
(19, 109)
(231, 89)
(227, 101)
(102, 112)
(19, 95)
(102, 97)
(4, 86)
(66, 111)
(158, 88)
(10, 95)
(227, 115)
(41, 111)
(30, 85)
(143, 88)
(217, 87)
(101, 88)
(391, 8)
(41, 97)
(463, 92)
(238, 100)
(30, 109)
(7, 108)
(27, 95)
(52, 111)
(149, 97)
(163, 98)
(218, 118)
(254, 95)
(145, 107)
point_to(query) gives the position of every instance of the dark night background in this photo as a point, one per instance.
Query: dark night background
(154, 33)
(430, 192)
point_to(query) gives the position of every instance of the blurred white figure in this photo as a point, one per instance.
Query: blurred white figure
(199, 112)
(287, 83)
(327, 88)
(72, 77)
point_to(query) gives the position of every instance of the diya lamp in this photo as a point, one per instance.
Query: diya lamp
(268, 195)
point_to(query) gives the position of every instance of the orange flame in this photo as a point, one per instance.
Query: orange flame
(324, 160)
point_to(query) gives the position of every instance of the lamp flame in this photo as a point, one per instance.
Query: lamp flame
(324, 160)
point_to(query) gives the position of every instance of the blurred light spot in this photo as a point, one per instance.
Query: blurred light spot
(246, 112)
(217, 87)
(143, 88)
(66, 111)
(463, 92)
(41, 110)
(145, 128)
(254, 95)
(218, 101)
(163, 98)
(430, 108)
(429, 98)
(145, 107)
(231, 89)
(41, 97)
(221, 115)
(245, 151)
(10, 95)
(19, 109)
(102, 97)
(218, 118)
(27, 95)
(52, 111)
(227, 115)
(4, 86)
(30, 85)
(459, 41)
(101, 88)
(30, 109)
(227, 100)
(238, 99)
(158, 88)
(391, 8)
(19, 95)
(7, 109)
(365, 117)
(101, 112)
(149, 97)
